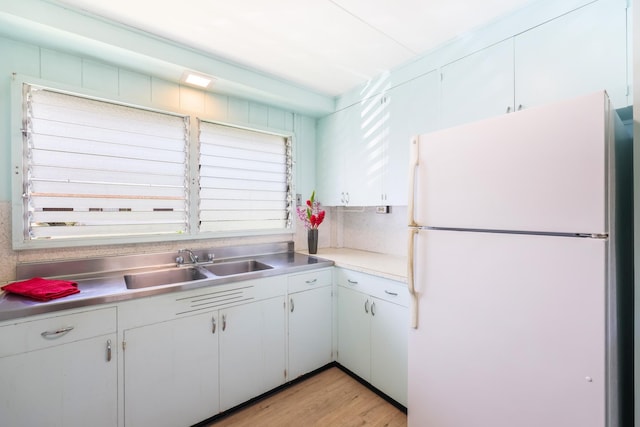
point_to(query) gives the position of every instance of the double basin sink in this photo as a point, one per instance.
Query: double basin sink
(184, 274)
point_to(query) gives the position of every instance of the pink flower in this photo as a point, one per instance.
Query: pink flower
(311, 215)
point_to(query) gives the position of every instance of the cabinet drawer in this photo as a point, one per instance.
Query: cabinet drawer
(56, 330)
(310, 279)
(379, 287)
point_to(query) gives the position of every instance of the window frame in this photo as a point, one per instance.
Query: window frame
(19, 216)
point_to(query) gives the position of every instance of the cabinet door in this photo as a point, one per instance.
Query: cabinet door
(252, 350)
(478, 86)
(354, 340)
(581, 52)
(69, 385)
(171, 372)
(364, 155)
(329, 159)
(413, 109)
(389, 333)
(310, 329)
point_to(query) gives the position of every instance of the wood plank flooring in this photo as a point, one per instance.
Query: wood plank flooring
(330, 398)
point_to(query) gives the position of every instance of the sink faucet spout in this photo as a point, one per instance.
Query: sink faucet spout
(192, 257)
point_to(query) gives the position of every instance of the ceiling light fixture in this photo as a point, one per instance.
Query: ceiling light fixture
(197, 79)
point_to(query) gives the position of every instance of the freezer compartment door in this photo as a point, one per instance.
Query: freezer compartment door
(511, 331)
(541, 170)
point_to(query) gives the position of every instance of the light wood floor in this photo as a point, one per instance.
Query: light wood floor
(328, 399)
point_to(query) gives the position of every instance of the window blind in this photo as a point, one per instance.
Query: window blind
(95, 168)
(245, 179)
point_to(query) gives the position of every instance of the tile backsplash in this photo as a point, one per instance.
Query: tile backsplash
(365, 229)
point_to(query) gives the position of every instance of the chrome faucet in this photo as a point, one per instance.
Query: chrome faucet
(192, 257)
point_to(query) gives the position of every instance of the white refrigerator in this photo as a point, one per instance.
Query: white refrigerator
(520, 272)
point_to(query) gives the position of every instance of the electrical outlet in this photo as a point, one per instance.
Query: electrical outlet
(298, 199)
(383, 209)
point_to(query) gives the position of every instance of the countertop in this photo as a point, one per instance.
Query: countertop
(383, 265)
(108, 288)
(111, 287)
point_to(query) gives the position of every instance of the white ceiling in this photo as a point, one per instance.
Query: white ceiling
(328, 46)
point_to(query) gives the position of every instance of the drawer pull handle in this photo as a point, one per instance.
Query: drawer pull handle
(366, 306)
(224, 322)
(213, 324)
(291, 300)
(57, 333)
(373, 308)
(395, 294)
(352, 282)
(311, 282)
(108, 350)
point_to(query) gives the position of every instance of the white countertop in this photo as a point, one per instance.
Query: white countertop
(388, 266)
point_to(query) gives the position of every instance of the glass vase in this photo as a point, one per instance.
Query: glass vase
(312, 240)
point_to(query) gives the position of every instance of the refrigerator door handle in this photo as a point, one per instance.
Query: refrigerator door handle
(413, 166)
(410, 278)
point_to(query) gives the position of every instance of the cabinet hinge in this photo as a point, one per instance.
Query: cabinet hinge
(124, 345)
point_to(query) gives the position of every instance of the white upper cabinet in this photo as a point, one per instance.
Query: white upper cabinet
(478, 86)
(349, 155)
(329, 158)
(578, 53)
(575, 54)
(363, 153)
(413, 109)
(363, 149)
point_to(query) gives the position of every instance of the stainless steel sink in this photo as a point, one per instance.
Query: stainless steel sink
(163, 277)
(236, 267)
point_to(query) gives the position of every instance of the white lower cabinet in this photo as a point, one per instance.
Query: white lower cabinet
(372, 331)
(171, 372)
(177, 359)
(252, 350)
(191, 355)
(310, 322)
(60, 371)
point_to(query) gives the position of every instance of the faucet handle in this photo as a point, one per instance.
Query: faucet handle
(179, 260)
(210, 257)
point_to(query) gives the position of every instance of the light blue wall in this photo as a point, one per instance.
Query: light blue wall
(43, 23)
(113, 82)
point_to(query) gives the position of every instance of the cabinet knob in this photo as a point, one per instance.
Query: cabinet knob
(508, 109)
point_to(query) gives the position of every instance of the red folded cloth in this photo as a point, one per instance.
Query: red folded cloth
(42, 289)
